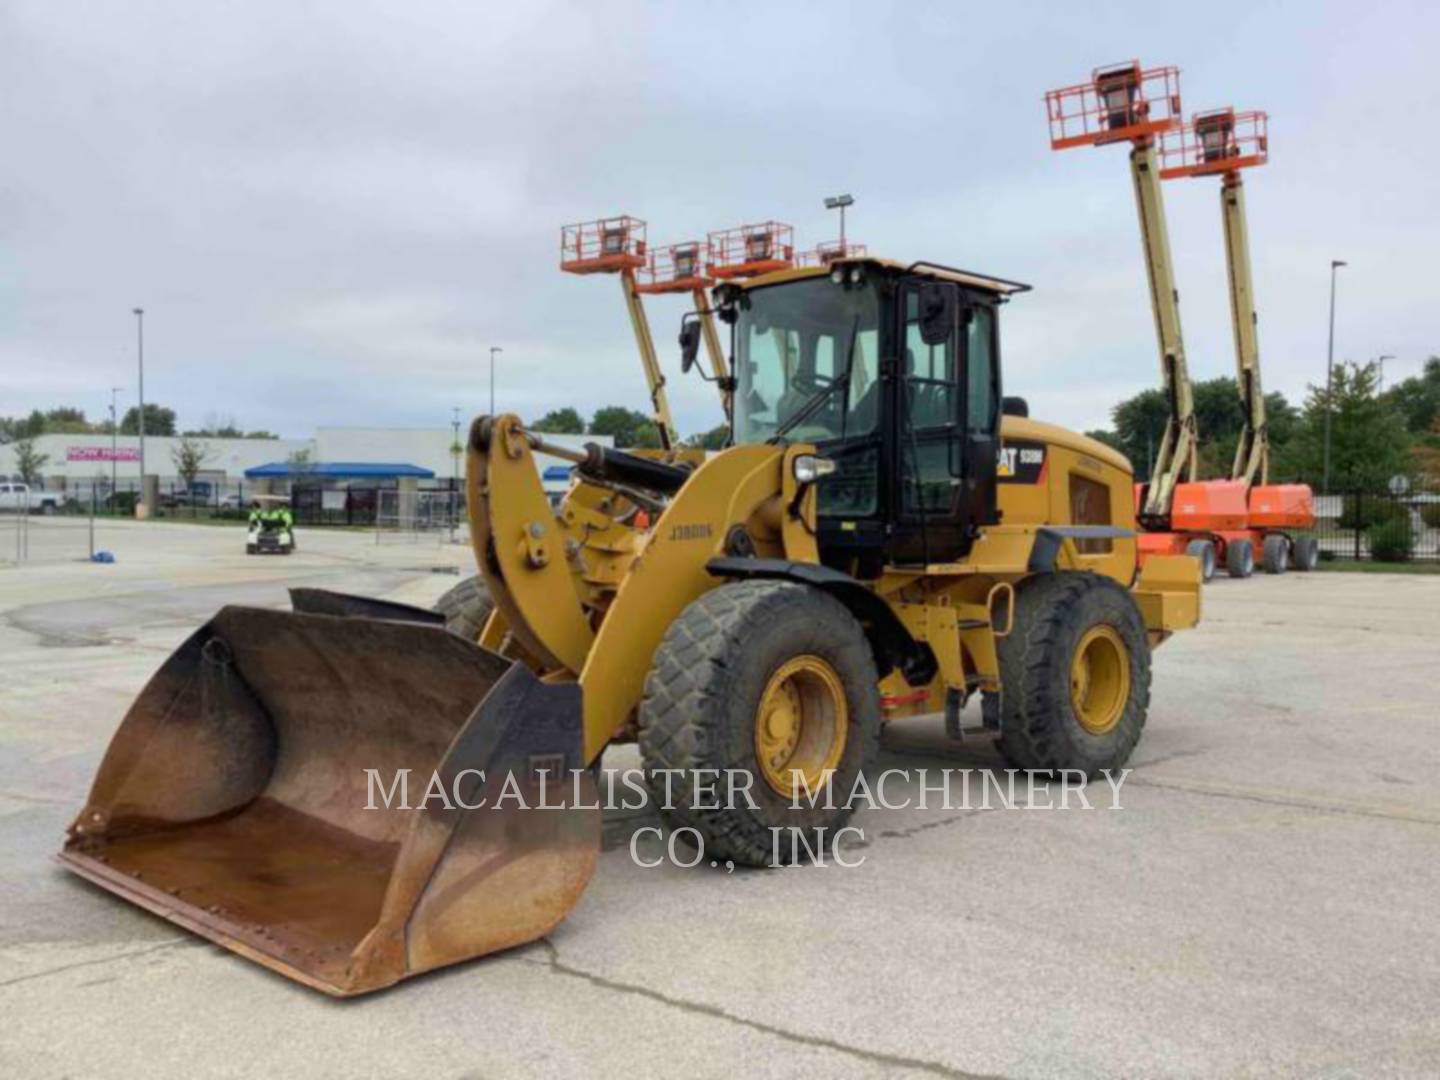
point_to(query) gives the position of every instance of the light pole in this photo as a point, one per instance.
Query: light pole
(454, 470)
(140, 412)
(114, 444)
(1381, 362)
(493, 350)
(840, 202)
(1335, 264)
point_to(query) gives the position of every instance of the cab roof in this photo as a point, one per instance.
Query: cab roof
(938, 271)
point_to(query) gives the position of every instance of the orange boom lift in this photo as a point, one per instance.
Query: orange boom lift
(1221, 143)
(1178, 513)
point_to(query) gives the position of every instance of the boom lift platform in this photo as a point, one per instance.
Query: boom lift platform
(684, 268)
(617, 245)
(1221, 143)
(1179, 513)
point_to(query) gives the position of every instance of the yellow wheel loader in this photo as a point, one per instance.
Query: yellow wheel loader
(886, 536)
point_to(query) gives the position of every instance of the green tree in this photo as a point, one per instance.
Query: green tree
(626, 426)
(1368, 440)
(1139, 424)
(158, 420)
(68, 420)
(714, 439)
(27, 461)
(1418, 398)
(564, 421)
(189, 456)
(300, 461)
(1109, 438)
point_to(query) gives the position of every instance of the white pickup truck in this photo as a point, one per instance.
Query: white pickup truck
(17, 497)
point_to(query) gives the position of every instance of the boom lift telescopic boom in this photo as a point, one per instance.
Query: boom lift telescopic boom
(1125, 103)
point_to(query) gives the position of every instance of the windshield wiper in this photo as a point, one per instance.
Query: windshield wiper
(821, 396)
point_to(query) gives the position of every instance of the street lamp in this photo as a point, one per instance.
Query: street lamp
(840, 202)
(1335, 264)
(454, 469)
(1381, 362)
(140, 412)
(114, 444)
(493, 350)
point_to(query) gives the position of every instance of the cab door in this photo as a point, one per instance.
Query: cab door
(946, 423)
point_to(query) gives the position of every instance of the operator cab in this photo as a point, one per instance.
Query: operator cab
(893, 372)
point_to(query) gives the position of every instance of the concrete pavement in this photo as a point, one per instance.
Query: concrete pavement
(1263, 904)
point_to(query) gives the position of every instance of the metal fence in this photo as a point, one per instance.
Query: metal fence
(428, 515)
(1383, 526)
(355, 505)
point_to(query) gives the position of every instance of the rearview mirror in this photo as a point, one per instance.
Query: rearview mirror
(937, 312)
(689, 342)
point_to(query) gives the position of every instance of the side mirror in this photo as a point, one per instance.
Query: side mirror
(689, 342)
(1014, 406)
(937, 312)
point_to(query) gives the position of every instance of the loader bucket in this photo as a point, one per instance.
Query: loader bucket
(235, 799)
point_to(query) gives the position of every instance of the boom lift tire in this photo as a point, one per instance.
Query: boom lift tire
(466, 607)
(771, 668)
(1203, 550)
(1305, 553)
(1239, 558)
(1075, 672)
(1275, 554)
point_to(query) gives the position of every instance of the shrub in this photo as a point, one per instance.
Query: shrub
(1370, 510)
(1392, 541)
(1430, 514)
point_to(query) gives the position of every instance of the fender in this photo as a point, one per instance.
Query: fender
(892, 644)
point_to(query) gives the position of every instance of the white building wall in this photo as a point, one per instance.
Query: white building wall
(228, 459)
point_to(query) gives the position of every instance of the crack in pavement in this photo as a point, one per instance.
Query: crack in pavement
(170, 944)
(555, 965)
(1192, 788)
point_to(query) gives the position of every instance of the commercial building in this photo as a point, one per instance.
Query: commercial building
(336, 457)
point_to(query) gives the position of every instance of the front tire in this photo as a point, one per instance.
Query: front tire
(1203, 550)
(1275, 554)
(1074, 674)
(466, 607)
(1305, 553)
(764, 678)
(1239, 558)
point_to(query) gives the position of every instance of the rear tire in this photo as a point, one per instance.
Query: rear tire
(716, 667)
(466, 607)
(1048, 722)
(1203, 550)
(251, 549)
(1239, 558)
(1305, 554)
(1275, 554)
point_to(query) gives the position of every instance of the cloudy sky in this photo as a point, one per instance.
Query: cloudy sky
(331, 210)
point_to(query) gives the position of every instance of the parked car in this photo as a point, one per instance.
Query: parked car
(200, 493)
(17, 497)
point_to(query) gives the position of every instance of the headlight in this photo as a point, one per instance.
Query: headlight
(810, 467)
(838, 275)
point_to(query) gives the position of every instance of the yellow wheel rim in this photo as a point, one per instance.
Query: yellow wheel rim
(1100, 679)
(800, 724)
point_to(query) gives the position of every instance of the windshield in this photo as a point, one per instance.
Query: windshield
(792, 345)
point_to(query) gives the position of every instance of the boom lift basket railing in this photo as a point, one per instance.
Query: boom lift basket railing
(1119, 103)
(827, 252)
(676, 268)
(603, 247)
(752, 249)
(1214, 143)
